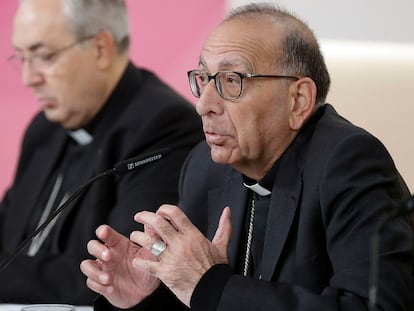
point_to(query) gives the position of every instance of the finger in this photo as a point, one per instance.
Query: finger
(160, 225)
(92, 270)
(87, 267)
(176, 217)
(170, 213)
(143, 239)
(108, 235)
(222, 236)
(99, 288)
(98, 250)
(149, 230)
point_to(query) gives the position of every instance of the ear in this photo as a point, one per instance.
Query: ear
(303, 100)
(104, 49)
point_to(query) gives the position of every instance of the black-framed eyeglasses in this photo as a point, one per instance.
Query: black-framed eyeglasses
(43, 61)
(229, 84)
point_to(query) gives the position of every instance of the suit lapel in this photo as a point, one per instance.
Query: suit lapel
(283, 204)
(286, 196)
(89, 169)
(37, 176)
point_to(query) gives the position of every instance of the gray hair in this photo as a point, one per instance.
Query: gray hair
(301, 52)
(88, 17)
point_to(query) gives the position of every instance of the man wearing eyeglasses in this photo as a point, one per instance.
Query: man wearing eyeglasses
(277, 207)
(97, 109)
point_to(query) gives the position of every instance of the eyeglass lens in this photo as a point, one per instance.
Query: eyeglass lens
(228, 84)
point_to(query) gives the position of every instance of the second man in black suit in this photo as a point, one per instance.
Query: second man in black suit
(97, 109)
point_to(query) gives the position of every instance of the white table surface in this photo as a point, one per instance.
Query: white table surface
(14, 307)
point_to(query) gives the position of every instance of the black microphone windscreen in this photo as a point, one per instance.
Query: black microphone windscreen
(133, 163)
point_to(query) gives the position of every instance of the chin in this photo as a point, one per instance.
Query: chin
(52, 117)
(220, 156)
(58, 119)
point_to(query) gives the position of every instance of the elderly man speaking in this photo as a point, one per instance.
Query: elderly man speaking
(277, 207)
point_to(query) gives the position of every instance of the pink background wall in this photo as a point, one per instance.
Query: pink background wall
(166, 38)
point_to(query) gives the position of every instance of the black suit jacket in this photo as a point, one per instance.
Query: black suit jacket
(332, 185)
(141, 115)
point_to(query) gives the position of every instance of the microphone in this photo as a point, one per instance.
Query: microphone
(402, 209)
(121, 167)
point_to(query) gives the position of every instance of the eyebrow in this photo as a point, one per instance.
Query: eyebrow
(31, 48)
(225, 63)
(202, 62)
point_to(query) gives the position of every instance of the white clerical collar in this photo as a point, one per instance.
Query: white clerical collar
(260, 190)
(81, 136)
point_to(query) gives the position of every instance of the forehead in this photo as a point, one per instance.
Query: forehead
(243, 43)
(39, 22)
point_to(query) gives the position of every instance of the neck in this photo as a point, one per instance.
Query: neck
(257, 169)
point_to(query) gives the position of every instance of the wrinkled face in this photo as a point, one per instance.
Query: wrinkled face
(66, 84)
(249, 133)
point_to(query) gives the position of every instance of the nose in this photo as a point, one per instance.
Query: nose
(210, 101)
(30, 75)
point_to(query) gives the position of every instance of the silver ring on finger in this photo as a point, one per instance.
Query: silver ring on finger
(158, 247)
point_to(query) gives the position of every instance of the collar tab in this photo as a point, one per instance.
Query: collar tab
(260, 190)
(81, 136)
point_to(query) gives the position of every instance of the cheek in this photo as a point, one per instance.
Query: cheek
(66, 95)
(259, 128)
(246, 132)
(73, 90)
(61, 81)
(250, 138)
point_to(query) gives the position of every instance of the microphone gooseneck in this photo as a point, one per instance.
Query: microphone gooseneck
(119, 168)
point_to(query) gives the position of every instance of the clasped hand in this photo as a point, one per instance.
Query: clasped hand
(126, 272)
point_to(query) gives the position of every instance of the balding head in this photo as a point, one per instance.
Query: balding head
(299, 46)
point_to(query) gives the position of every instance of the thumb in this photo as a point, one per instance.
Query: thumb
(222, 236)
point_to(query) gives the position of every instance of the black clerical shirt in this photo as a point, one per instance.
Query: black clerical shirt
(260, 197)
